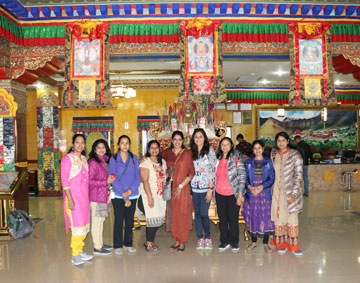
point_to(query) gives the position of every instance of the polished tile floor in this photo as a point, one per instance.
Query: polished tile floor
(329, 237)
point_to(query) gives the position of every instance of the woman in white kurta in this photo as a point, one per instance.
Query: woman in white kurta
(153, 177)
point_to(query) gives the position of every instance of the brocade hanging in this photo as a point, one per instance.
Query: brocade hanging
(201, 70)
(311, 79)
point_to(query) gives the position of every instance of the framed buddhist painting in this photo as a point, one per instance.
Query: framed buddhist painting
(87, 58)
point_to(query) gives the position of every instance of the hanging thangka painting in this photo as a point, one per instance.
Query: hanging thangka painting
(87, 65)
(8, 109)
(201, 70)
(311, 79)
(48, 145)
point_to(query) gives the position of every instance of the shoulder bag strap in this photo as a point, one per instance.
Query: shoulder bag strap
(126, 167)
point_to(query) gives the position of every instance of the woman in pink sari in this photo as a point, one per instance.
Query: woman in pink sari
(74, 178)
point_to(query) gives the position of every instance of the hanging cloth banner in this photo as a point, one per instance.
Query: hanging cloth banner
(311, 80)
(201, 70)
(8, 108)
(87, 60)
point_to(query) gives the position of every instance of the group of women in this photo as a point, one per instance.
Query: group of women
(268, 189)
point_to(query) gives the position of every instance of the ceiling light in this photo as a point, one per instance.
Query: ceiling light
(121, 90)
(264, 81)
(338, 82)
(280, 73)
(39, 85)
(324, 114)
(281, 112)
(132, 92)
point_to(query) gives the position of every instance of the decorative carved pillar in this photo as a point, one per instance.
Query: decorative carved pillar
(48, 144)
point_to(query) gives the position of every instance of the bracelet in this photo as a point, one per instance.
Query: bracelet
(128, 191)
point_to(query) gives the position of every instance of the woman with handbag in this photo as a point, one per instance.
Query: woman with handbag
(99, 180)
(202, 185)
(151, 203)
(179, 160)
(260, 177)
(74, 178)
(287, 197)
(125, 166)
(229, 190)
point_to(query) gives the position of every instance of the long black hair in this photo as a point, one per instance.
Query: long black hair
(159, 156)
(73, 141)
(219, 152)
(93, 154)
(177, 133)
(194, 149)
(118, 143)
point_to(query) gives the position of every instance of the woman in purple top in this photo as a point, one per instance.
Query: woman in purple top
(99, 180)
(125, 166)
(260, 176)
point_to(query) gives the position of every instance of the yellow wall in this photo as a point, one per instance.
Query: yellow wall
(146, 102)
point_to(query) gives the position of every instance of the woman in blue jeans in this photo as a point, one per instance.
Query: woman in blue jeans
(202, 185)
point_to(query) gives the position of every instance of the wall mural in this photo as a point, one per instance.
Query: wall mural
(339, 131)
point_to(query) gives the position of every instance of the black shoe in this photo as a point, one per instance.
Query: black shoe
(306, 195)
(107, 247)
(102, 252)
(224, 247)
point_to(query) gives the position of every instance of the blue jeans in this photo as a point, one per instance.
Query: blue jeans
(306, 181)
(202, 219)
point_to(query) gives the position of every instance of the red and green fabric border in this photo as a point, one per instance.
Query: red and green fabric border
(281, 95)
(93, 124)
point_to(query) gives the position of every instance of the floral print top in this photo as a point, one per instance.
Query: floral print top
(204, 172)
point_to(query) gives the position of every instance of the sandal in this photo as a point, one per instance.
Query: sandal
(151, 248)
(180, 249)
(174, 246)
(251, 247)
(267, 249)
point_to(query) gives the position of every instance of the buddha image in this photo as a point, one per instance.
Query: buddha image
(201, 54)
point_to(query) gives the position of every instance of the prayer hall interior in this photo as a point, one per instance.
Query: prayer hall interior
(147, 68)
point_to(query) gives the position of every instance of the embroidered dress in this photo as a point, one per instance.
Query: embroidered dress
(286, 225)
(157, 176)
(257, 210)
(74, 176)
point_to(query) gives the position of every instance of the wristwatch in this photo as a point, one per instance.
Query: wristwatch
(181, 186)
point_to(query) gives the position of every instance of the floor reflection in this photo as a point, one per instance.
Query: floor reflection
(329, 237)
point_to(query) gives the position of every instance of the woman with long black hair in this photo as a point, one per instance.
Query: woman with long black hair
(125, 166)
(202, 185)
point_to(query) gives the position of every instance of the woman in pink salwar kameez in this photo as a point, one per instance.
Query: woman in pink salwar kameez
(74, 178)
